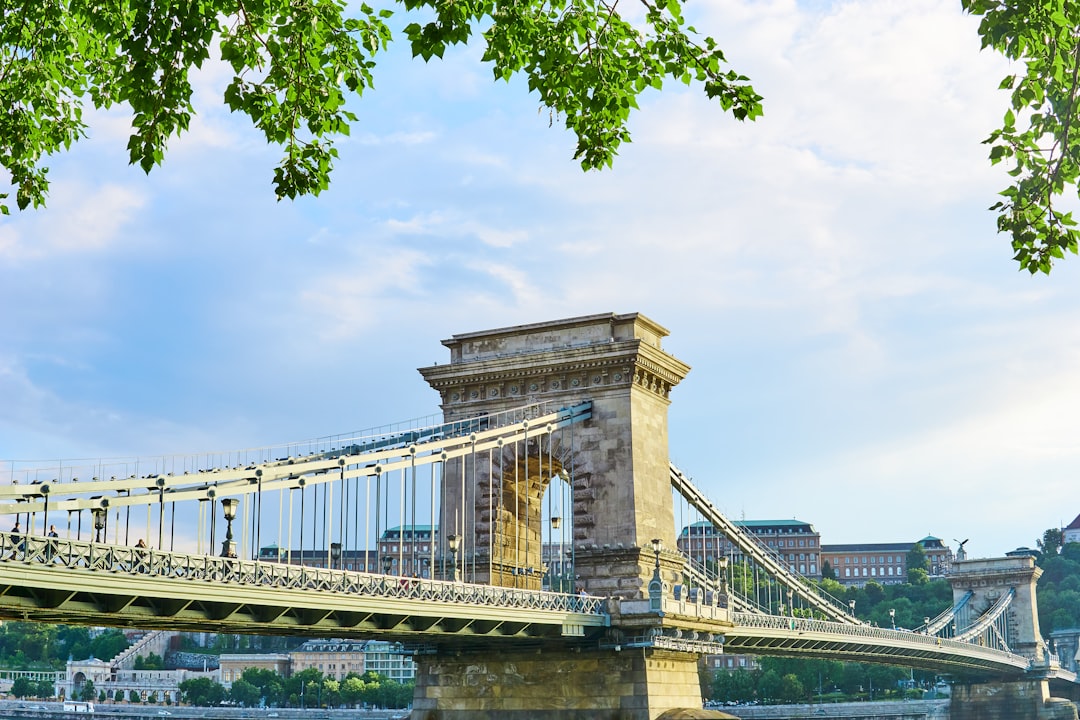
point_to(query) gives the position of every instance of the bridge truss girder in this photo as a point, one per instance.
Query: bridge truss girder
(90, 597)
(813, 639)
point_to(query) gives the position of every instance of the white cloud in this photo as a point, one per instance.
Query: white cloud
(346, 304)
(439, 224)
(81, 220)
(417, 137)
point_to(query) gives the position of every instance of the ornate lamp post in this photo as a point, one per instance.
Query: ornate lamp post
(335, 556)
(556, 523)
(228, 509)
(387, 563)
(892, 617)
(851, 604)
(454, 542)
(723, 562)
(99, 521)
(656, 585)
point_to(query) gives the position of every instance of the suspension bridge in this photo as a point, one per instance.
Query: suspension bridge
(550, 567)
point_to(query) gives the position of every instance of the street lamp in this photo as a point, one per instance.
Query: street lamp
(387, 563)
(455, 543)
(99, 522)
(557, 568)
(892, 617)
(723, 561)
(851, 604)
(656, 585)
(335, 556)
(228, 509)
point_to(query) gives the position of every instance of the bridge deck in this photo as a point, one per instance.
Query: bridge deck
(801, 637)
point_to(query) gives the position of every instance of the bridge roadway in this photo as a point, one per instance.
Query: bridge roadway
(82, 582)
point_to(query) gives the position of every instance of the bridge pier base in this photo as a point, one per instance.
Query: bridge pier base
(629, 684)
(1022, 700)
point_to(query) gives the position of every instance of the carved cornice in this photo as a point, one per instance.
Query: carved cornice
(549, 373)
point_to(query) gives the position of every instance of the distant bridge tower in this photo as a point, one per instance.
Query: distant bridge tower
(988, 579)
(618, 463)
(1028, 699)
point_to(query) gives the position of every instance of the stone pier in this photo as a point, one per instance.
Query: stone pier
(1021, 700)
(555, 685)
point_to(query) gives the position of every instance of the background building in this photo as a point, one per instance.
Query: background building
(884, 563)
(338, 658)
(1071, 532)
(232, 666)
(402, 550)
(333, 658)
(794, 542)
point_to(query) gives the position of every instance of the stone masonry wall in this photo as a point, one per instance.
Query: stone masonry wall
(632, 684)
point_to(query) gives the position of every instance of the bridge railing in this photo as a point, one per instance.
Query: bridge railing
(150, 563)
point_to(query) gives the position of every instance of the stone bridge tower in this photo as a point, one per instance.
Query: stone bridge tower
(619, 459)
(1025, 699)
(987, 579)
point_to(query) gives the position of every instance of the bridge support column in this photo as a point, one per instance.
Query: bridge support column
(1020, 700)
(628, 684)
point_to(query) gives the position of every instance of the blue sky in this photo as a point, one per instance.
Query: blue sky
(865, 355)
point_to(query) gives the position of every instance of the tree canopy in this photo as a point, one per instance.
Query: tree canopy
(295, 61)
(295, 64)
(1040, 131)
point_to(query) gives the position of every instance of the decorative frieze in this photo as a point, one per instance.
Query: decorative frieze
(530, 386)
